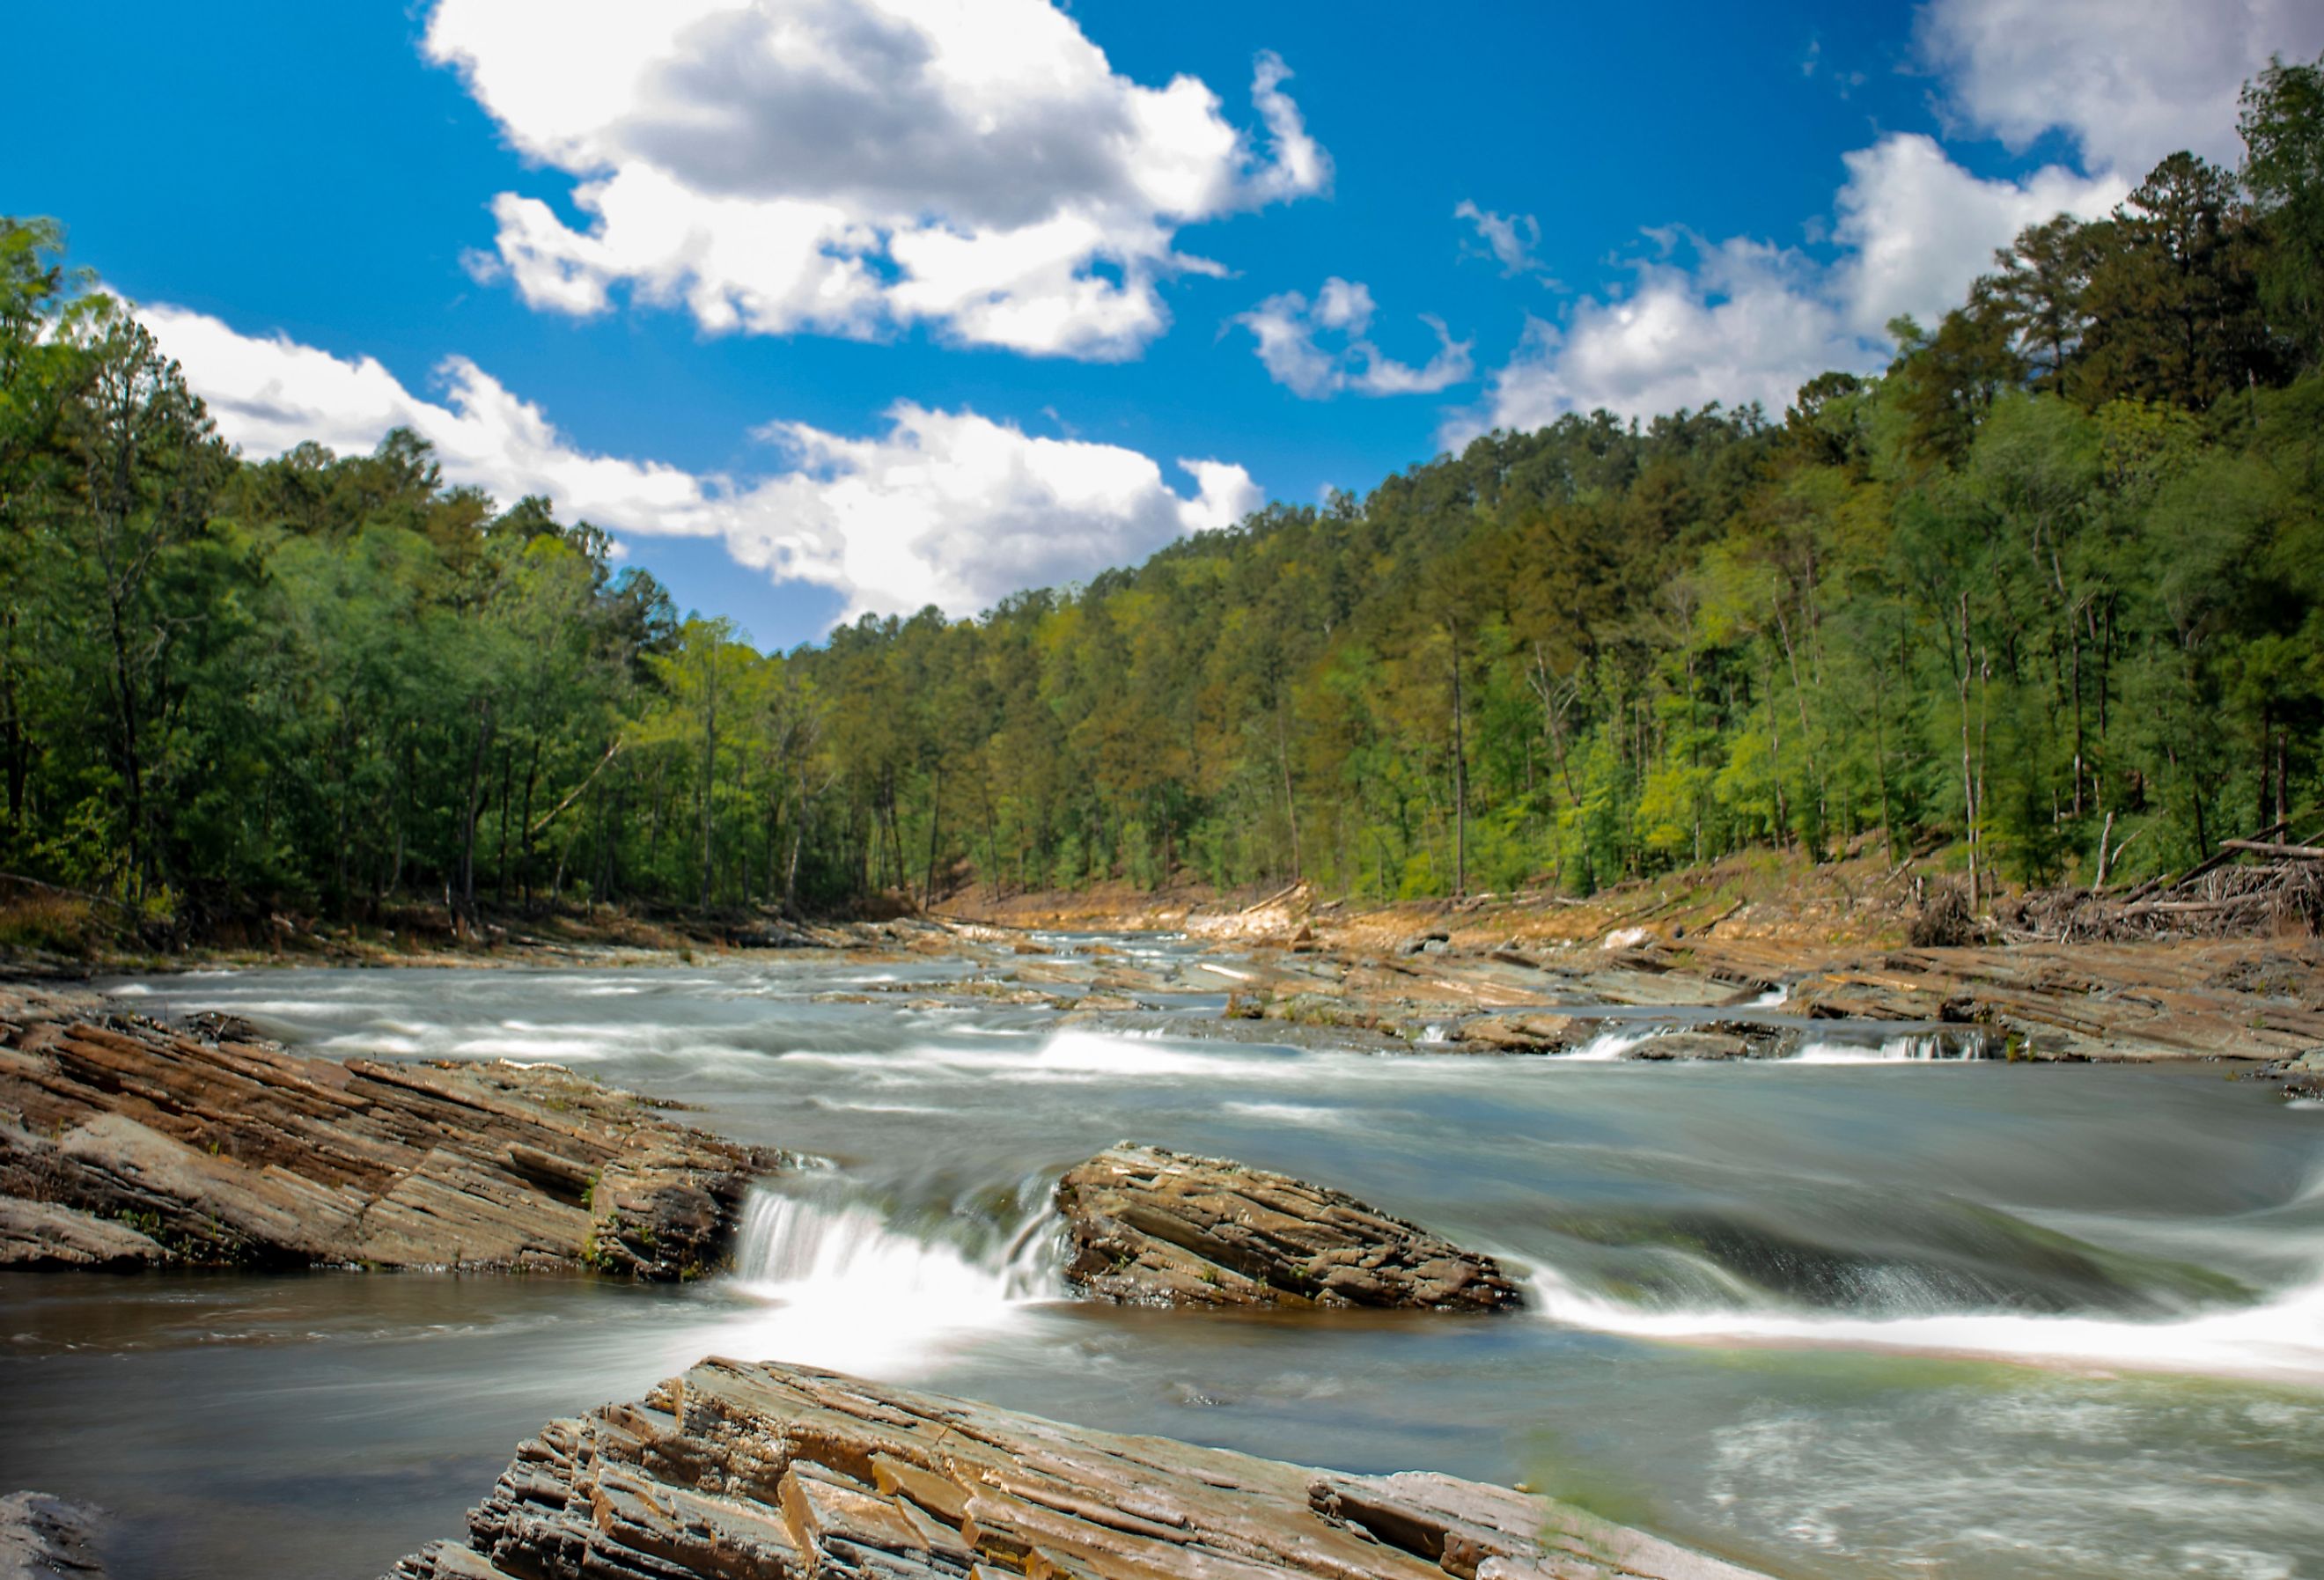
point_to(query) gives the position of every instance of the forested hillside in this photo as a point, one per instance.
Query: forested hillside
(2059, 571)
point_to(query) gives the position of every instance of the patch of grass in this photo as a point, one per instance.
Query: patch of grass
(54, 924)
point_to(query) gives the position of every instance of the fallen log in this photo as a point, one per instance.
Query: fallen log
(2299, 853)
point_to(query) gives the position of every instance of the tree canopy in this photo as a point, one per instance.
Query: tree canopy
(2058, 571)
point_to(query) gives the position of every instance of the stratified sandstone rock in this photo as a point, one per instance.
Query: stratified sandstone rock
(123, 1140)
(769, 1472)
(42, 1537)
(1154, 1227)
(1522, 1032)
(43, 1235)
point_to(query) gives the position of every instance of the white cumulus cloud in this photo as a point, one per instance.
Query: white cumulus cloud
(2129, 81)
(948, 508)
(845, 166)
(1290, 330)
(1752, 322)
(1919, 228)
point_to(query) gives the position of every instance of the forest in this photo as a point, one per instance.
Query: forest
(2048, 594)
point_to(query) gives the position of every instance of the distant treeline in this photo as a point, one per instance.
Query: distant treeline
(2060, 570)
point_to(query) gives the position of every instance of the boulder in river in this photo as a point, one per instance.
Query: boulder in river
(1523, 1032)
(1153, 1227)
(126, 1141)
(42, 1537)
(769, 1472)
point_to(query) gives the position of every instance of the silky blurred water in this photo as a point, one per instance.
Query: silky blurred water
(1835, 1319)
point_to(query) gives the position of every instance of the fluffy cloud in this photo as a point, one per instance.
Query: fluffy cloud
(847, 165)
(1289, 328)
(947, 508)
(2130, 80)
(1747, 323)
(1508, 239)
(1918, 227)
(1750, 321)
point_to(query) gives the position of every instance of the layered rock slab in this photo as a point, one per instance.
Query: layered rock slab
(125, 1140)
(745, 1472)
(42, 1537)
(1152, 1227)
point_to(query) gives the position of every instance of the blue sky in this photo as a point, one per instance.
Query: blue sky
(343, 216)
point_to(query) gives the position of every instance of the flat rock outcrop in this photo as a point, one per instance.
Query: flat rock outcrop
(125, 1140)
(42, 1537)
(2232, 999)
(1152, 1227)
(769, 1472)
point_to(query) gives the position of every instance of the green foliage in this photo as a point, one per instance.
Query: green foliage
(2062, 563)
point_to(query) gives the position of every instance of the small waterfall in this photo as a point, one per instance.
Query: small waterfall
(1615, 1043)
(821, 1244)
(1966, 1044)
(845, 1283)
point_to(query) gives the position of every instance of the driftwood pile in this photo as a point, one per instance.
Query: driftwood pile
(2249, 888)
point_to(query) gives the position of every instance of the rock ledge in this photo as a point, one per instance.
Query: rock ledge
(1153, 1227)
(769, 1472)
(125, 1141)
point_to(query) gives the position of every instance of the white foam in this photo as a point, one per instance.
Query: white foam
(1292, 1114)
(1067, 1056)
(2282, 1337)
(1614, 1043)
(844, 1289)
(1917, 1047)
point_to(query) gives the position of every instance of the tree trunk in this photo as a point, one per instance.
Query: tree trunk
(475, 811)
(709, 767)
(936, 816)
(1290, 803)
(524, 851)
(1460, 778)
(1968, 772)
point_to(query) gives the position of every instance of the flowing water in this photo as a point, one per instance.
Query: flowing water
(1863, 1312)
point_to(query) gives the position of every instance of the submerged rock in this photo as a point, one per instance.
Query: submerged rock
(1720, 1039)
(42, 1537)
(1153, 1227)
(769, 1472)
(1523, 1032)
(1873, 1253)
(125, 1141)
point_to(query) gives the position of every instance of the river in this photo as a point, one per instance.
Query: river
(1847, 1315)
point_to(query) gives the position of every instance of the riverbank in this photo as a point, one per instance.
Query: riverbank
(1835, 941)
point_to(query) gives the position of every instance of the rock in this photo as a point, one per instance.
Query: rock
(43, 1235)
(1428, 942)
(1310, 1008)
(1723, 1040)
(737, 1472)
(1159, 1228)
(1522, 1033)
(124, 1140)
(42, 1537)
(2094, 1001)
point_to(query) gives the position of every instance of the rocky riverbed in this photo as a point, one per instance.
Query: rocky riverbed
(737, 1472)
(126, 1141)
(1641, 1173)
